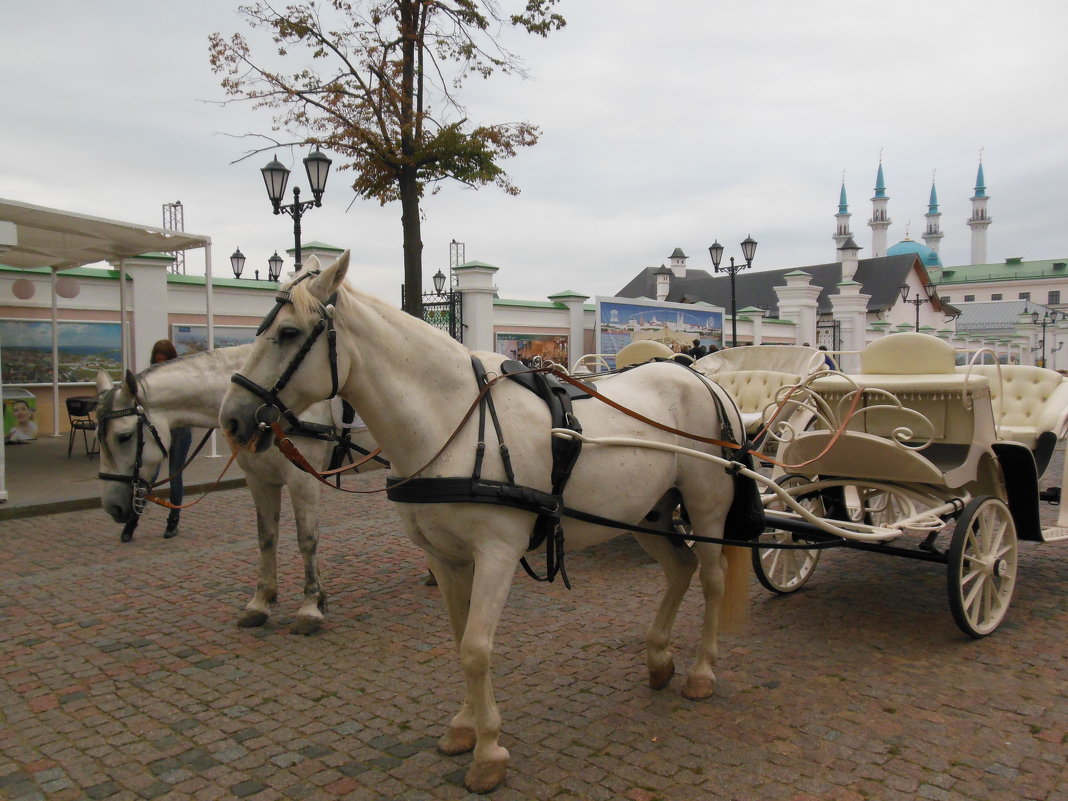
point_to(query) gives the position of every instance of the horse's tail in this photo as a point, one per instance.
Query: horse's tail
(734, 610)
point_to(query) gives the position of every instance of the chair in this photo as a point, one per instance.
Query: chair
(79, 412)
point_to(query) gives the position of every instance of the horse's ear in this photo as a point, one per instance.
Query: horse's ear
(327, 282)
(131, 382)
(103, 382)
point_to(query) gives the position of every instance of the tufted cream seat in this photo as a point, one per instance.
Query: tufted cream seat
(753, 391)
(1027, 401)
(754, 374)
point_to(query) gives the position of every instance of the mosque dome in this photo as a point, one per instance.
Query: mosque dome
(926, 254)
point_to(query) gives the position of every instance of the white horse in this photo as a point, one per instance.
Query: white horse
(412, 385)
(188, 392)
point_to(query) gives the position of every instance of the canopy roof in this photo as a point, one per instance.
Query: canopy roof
(63, 239)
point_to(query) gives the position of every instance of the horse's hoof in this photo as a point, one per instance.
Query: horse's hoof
(698, 688)
(661, 676)
(486, 776)
(457, 741)
(306, 624)
(252, 618)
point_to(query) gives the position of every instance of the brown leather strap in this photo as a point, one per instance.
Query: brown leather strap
(291, 452)
(212, 488)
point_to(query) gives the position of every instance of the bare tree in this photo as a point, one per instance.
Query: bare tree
(376, 82)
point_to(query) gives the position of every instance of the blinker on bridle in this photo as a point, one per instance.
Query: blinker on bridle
(273, 408)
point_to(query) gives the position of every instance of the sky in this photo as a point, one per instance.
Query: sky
(662, 125)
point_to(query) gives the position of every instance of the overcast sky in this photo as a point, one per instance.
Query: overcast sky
(663, 125)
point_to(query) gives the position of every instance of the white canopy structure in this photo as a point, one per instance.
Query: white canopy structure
(62, 239)
(33, 237)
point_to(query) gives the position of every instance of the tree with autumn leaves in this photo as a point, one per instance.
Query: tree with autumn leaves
(376, 83)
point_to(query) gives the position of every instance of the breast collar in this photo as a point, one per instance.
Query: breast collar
(273, 408)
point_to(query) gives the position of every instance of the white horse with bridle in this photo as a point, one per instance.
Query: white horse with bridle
(138, 415)
(413, 385)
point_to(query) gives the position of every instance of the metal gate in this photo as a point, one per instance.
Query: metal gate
(829, 334)
(445, 311)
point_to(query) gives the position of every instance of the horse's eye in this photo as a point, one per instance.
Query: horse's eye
(288, 333)
(124, 438)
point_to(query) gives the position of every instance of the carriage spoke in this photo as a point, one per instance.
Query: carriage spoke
(981, 571)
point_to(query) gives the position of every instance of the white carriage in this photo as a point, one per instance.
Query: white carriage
(913, 445)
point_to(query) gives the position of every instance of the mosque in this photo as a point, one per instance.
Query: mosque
(932, 235)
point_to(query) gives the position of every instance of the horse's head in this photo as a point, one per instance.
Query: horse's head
(294, 362)
(132, 446)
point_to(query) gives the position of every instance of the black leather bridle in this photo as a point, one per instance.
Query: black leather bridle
(139, 485)
(271, 401)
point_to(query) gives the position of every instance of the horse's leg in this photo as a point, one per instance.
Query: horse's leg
(678, 564)
(474, 601)
(701, 682)
(494, 569)
(454, 583)
(304, 495)
(268, 500)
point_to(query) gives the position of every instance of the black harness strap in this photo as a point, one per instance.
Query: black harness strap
(546, 505)
(270, 396)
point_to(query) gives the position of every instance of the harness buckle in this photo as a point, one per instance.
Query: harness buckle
(140, 496)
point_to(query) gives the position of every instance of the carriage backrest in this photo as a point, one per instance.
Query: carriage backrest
(797, 360)
(908, 354)
(1025, 398)
(642, 351)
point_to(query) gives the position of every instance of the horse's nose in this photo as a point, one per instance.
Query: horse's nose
(117, 512)
(232, 428)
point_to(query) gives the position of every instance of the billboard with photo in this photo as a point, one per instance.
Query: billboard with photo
(194, 338)
(621, 321)
(84, 349)
(524, 347)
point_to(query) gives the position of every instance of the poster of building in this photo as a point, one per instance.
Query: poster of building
(85, 348)
(621, 321)
(524, 347)
(194, 338)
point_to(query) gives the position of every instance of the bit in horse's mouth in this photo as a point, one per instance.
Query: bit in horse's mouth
(262, 441)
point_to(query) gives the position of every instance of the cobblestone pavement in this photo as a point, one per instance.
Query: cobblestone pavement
(124, 676)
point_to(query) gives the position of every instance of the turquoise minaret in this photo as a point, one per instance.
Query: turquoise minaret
(932, 234)
(842, 232)
(980, 220)
(880, 219)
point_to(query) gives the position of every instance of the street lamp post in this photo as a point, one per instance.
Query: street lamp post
(715, 250)
(918, 300)
(274, 267)
(275, 177)
(237, 262)
(1047, 320)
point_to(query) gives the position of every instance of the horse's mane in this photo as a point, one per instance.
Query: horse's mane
(308, 306)
(107, 399)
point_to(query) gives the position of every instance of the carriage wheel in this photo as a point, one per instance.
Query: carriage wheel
(982, 566)
(785, 570)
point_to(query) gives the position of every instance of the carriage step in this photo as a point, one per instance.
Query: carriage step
(1054, 533)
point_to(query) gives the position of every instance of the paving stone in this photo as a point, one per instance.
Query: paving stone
(126, 676)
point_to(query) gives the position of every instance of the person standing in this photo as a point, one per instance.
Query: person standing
(697, 351)
(181, 440)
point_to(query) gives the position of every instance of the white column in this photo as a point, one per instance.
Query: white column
(475, 283)
(149, 295)
(798, 302)
(575, 322)
(850, 307)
